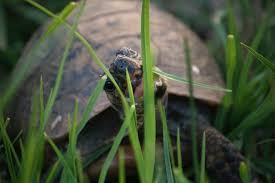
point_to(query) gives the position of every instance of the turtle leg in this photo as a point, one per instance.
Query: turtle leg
(222, 158)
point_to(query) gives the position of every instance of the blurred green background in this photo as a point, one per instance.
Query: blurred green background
(18, 21)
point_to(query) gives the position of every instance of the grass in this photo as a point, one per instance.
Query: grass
(166, 144)
(248, 108)
(193, 128)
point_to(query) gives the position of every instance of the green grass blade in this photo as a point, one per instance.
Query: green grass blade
(202, 175)
(53, 172)
(232, 27)
(60, 156)
(244, 173)
(73, 127)
(149, 99)
(193, 110)
(9, 149)
(133, 133)
(48, 108)
(121, 170)
(114, 148)
(178, 172)
(179, 177)
(185, 81)
(231, 59)
(42, 109)
(79, 168)
(260, 57)
(231, 56)
(72, 152)
(56, 22)
(168, 166)
(29, 165)
(91, 104)
(131, 94)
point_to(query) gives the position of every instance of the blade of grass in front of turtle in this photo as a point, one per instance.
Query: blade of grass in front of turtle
(56, 22)
(232, 29)
(49, 106)
(10, 155)
(42, 108)
(244, 173)
(149, 99)
(185, 81)
(260, 57)
(73, 127)
(60, 156)
(72, 154)
(53, 172)
(256, 116)
(178, 172)
(121, 167)
(231, 57)
(91, 103)
(68, 157)
(89, 48)
(79, 169)
(133, 133)
(230, 69)
(29, 165)
(193, 111)
(117, 141)
(40, 141)
(168, 167)
(131, 94)
(202, 175)
(71, 151)
(180, 178)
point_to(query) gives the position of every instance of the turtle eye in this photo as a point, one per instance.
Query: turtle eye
(109, 87)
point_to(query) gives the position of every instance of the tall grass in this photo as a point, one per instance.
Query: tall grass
(149, 99)
(193, 112)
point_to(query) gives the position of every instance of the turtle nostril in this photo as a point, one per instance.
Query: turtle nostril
(109, 87)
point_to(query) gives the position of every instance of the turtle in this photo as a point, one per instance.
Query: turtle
(110, 26)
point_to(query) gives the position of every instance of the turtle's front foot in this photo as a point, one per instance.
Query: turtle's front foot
(222, 157)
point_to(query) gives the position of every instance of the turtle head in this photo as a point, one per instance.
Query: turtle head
(128, 59)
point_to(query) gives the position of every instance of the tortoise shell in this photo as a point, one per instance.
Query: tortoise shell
(108, 26)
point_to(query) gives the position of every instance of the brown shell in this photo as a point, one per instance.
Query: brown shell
(108, 26)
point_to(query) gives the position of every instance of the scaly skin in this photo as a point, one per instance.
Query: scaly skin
(222, 158)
